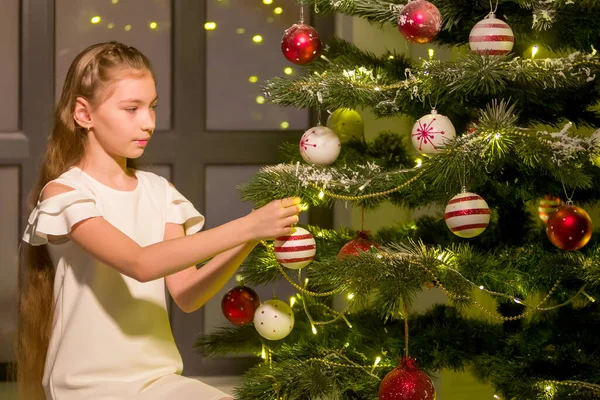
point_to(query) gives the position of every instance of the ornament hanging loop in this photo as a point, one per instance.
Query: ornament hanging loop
(302, 12)
(316, 7)
(569, 201)
(493, 10)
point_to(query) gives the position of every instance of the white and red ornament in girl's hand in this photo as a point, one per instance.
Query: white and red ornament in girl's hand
(274, 319)
(467, 215)
(431, 132)
(296, 250)
(320, 145)
(491, 36)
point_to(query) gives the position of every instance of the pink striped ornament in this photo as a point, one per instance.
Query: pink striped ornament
(296, 250)
(467, 215)
(491, 36)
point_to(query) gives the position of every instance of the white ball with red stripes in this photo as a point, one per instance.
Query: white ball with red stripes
(296, 250)
(491, 36)
(467, 215)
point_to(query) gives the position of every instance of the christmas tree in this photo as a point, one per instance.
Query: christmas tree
(502, 148)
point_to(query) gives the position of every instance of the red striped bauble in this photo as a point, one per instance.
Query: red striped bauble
(296, 250)
(491, 36)
(467, 215)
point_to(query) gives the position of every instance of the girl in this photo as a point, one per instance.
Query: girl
(104, 239)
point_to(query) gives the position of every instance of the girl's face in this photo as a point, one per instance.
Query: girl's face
(125, 119)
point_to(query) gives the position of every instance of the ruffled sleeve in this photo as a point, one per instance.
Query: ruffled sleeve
(181, 211)
(57, 215)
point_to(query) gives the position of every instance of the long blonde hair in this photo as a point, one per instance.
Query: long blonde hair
(92, 72)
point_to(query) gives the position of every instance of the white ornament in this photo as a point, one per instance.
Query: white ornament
(431, 132)
(491, 36)
(320, 145)
(467, 215)
(274, 319)
(296, 250)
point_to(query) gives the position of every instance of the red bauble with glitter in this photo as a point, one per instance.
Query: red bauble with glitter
(419, 21)
(407, 382)
(569, 228)
(361, 242)
(301, 44)
(239, 304)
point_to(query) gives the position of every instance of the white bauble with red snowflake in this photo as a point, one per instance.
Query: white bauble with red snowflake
(431, 132)
(295, 250)
(467, 215)
(320, 145)
(274, 319)
(491, 36)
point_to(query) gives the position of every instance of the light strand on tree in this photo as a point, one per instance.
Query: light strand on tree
(548, 385)
(370, 195)
(303, 290)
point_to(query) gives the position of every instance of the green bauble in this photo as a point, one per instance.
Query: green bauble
(347, 124)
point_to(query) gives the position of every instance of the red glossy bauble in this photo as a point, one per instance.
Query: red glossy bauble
(301, 44)
(361, 243)
(239, 304)
(407, 382)
(569, 228)
(420, 21)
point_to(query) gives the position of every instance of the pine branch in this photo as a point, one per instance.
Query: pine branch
(557, 24)
(456, 87)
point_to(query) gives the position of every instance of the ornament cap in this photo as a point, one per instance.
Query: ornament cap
(490, 15)
(409, 363)
(433, 111)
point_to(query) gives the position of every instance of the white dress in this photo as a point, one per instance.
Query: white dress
(111, 337)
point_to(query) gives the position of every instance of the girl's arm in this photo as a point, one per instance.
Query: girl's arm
(192, 288)
(114, 248)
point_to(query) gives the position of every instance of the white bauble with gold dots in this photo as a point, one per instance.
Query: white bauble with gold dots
(274, 319)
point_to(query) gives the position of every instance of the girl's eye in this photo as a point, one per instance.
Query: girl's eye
(131, 109)
(154, 106)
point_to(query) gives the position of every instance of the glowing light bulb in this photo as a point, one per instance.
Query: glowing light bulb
(321, 194)
(292, 301)
(95, 20)
(210, 26)
(253, 79)
(257, 38)
(260, 99)
(534, 51)
(288, 70)
(153, 25)
(127, 27)
(278, 10)
(314, 330)
(267, 2)
(284, 125)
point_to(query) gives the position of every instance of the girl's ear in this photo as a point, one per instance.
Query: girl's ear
(82, 115)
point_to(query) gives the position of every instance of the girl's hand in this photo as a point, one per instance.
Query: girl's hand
(274, 219)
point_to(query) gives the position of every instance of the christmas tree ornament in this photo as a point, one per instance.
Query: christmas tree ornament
(467, 215)
(569, 227)
(419, 21)
(301, 44)
(406, 382)
(548, 205)
(296, 250)
(320, 145)
(361, 243)
(274, 319)
(491, 36)
(431, 132)
(347, 124)
(239, 304)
